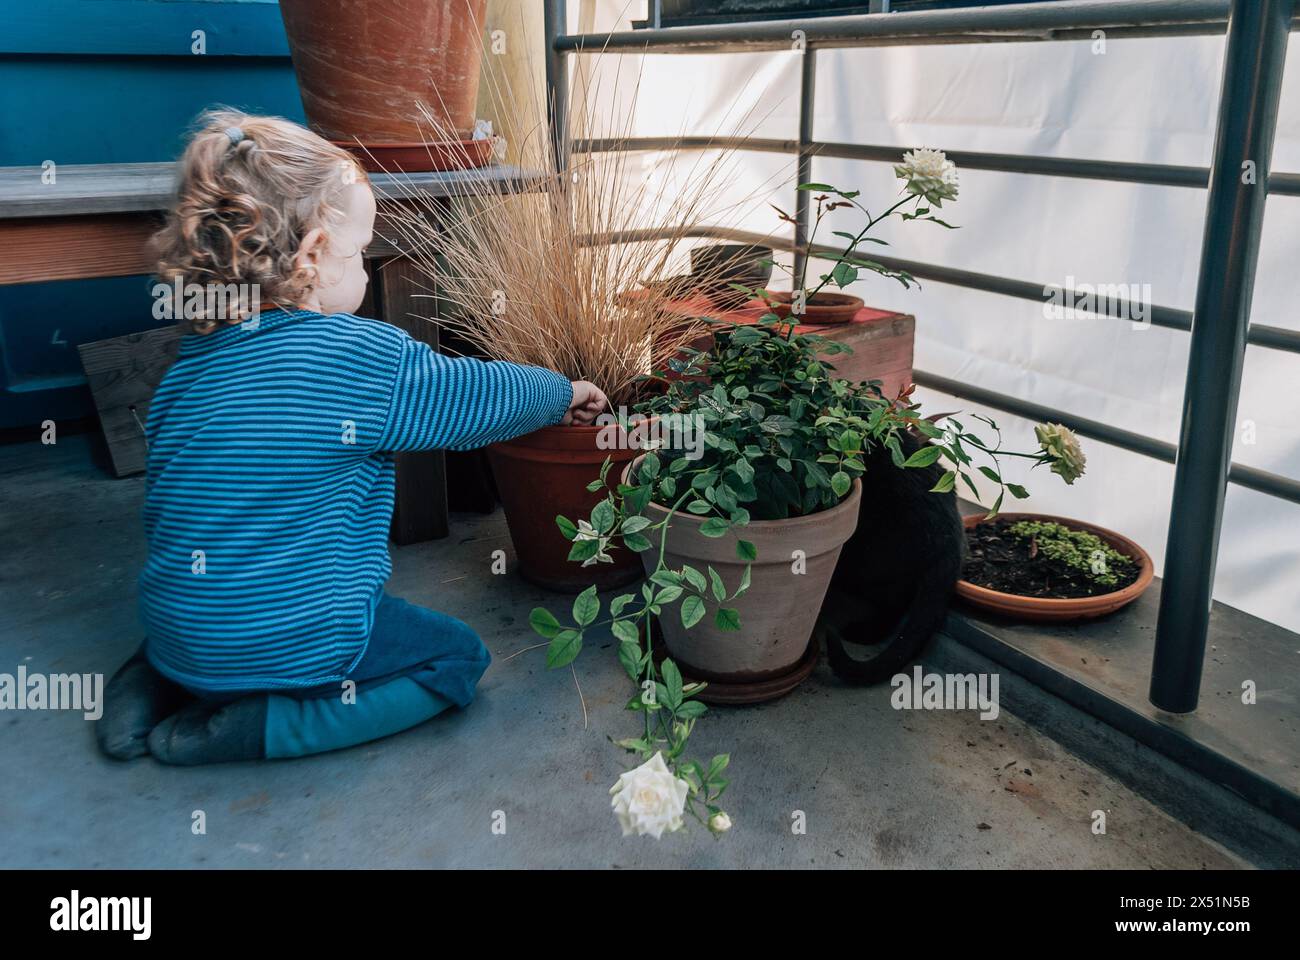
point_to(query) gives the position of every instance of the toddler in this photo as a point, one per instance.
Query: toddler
(269, 485)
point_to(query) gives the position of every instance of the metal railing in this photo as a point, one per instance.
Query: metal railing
(1257, 33)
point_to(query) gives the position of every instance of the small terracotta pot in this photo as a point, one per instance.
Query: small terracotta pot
(777, 613)
(545, 473)
(1048, 610)
(364, 68)
(824, 308)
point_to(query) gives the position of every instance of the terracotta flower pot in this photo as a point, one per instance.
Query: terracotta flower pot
(822, 308)
(1044, 609)
(770, 654)
(365, 66)
(545, 473)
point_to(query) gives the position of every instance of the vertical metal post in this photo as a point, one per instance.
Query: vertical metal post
(556, 22)
(656, 14)
(807, 91)
(1243, 147)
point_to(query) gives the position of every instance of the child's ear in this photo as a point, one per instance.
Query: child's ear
(311, 247)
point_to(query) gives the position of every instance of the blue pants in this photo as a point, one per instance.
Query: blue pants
(418, 663)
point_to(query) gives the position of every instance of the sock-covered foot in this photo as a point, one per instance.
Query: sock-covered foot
(136, 699)
(207, 732)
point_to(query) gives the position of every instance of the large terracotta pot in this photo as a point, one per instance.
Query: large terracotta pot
(545, 473)
(364, 66)
(770, 653)
(1049, 610)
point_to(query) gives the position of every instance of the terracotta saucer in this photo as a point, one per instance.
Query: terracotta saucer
(419, 157)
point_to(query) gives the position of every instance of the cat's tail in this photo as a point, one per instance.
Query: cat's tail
(902, 642)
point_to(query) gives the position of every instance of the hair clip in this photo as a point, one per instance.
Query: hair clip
(235, 134)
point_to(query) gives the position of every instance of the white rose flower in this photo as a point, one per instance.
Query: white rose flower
(1062, 447)
(649, 799)
(720, 822)
(930, 174)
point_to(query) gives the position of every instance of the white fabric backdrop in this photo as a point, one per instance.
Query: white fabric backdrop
(1145, 100)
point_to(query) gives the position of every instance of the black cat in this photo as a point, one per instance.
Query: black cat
(896, 573)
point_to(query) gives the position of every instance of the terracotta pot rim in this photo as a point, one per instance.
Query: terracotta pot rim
(1102, 602)
(571, 440)
(823, 298)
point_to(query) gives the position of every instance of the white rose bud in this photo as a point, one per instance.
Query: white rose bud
(649, 799)
(719, 822)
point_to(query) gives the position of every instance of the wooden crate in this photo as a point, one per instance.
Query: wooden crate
(123, 374)
(882, 344)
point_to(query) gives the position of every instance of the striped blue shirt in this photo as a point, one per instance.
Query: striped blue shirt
(270, 483)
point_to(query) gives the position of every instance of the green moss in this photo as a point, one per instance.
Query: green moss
(1085, 552)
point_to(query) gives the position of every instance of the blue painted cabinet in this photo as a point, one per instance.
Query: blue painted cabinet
(113, 81)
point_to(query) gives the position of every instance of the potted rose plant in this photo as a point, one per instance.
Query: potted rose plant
(929, 178)
(783, 443)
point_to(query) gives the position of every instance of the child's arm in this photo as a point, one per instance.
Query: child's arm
(459, 403)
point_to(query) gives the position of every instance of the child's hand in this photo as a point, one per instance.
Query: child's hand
(588, 401)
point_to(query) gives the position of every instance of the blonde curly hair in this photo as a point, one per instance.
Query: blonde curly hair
(249, 188)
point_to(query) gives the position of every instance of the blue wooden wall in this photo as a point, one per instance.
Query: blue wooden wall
(112, 81)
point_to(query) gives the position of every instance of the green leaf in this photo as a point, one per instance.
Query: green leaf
(945, 483)
(692, 710)
(602, 516)
(672, 684)
(625, 630)
(746, 551)
(543, 622)
(649, 467)
(1017, 491)
(694, 578)
(844, 274)
(840, 483)
(586, 607)
(924, 457)
(692, 611)
(567, 527)
(583, 549)
(629, 655)
(727, 619)
(744, 583)
(635, 542)
(715, 527)
(699, 507)
(619, 603)
(665, 578)
(718, 587)
(668, 595)
(743, 470)
(564, 649)
(633, 524)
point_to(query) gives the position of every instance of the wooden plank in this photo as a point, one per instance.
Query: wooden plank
(135, 187)
(123, 374)
(36, 249)
(420, 511)
(71, 248)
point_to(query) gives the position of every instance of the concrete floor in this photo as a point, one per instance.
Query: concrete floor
(878, 788)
